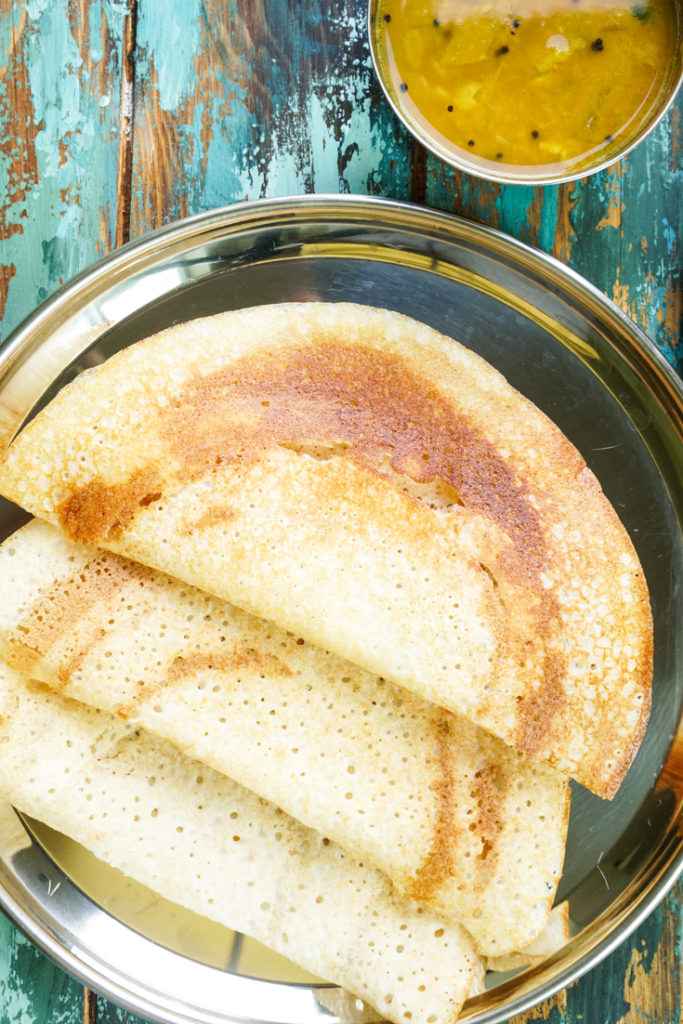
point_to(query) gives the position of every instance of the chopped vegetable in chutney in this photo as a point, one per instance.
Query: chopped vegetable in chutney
(529, 82)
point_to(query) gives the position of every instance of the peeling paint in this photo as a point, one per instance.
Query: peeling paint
(564, 235)
(652, 987)
(58, 156)
(32, 988)
(256, 125)
(638, 202)
(238, 99)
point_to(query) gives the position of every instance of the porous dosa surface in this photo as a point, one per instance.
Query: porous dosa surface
(553, 938)
(454, 817)
(377, 489)
(206, 843)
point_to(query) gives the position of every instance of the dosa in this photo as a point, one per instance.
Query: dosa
(454, 817)
(206, 843)
(377, 489)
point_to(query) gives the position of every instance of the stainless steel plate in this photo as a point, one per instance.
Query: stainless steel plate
(563, 345)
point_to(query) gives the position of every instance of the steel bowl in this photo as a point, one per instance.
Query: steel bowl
(540, 174)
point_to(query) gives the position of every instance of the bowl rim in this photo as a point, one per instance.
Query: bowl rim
(457, 159)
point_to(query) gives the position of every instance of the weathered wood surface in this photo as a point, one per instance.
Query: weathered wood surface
(118, 116)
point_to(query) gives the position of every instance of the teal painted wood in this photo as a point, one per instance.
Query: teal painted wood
(620, 228)
(238, 99)
(261, 98)
(32, 989)
(627, 225)
(59, 122)
(640, 983)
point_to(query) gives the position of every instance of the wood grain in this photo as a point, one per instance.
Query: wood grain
(263, 97)
(119, 116)
(126, 125)
(619, 228)
(59, 134)
(59, 121)
(89, 1007)
(32, 989)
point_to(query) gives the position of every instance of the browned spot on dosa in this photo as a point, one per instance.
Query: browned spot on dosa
(21, 656)
(488, 793)
(193, 664)
(537, 707)
(366, 403)
(210, 516)
(97, 511)
(437, 867)
(360, 404)
(227, 661)
(64, 607)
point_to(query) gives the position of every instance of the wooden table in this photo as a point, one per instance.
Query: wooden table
(119, 116)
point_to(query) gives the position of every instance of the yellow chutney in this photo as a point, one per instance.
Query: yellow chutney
(562, 83)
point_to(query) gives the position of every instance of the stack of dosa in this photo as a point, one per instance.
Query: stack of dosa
(357, 484)
(217, 849)
(451, 815)
(377, 489)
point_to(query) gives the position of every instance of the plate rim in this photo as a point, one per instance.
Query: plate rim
(28, 335)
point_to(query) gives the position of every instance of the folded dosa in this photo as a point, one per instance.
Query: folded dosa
(208, 844)
(452, 815)
(377, 489)
(553, 938)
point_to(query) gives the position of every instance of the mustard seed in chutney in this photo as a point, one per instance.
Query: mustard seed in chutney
(556, 83)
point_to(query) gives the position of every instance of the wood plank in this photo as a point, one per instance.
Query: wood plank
(32, 989)
(126, 124)
(619, 228)
(627, 228)
(90, 1001)
(59, 125)
(261, 98)
(239, 99)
